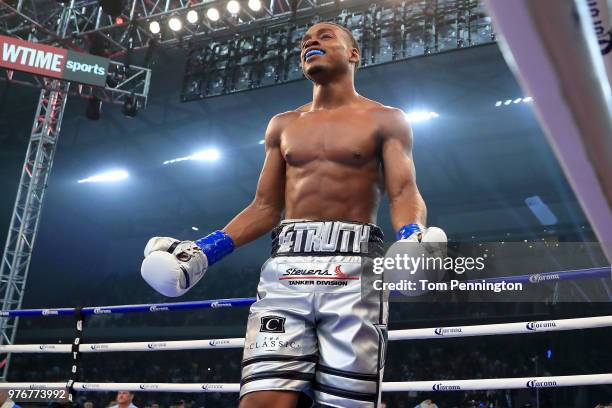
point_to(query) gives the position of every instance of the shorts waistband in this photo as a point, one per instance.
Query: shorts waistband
(324, 238)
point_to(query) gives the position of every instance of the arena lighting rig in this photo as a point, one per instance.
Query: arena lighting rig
(38, 51)
(256, 56)
(244, 44)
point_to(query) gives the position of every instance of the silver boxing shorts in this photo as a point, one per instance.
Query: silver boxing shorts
(318, 327)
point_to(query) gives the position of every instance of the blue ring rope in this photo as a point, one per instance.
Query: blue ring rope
(545, 277)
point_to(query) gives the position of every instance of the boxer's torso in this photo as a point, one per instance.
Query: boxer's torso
(333, 162)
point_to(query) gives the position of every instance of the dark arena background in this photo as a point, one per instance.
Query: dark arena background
(185, 146)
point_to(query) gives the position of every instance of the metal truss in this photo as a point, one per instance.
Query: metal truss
(37, 20)
(26, 212)
(88, 24)
(50, 22)
(386, 30)
(122, 82)
(251, 49)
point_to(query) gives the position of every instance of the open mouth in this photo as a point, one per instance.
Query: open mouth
(312, 53)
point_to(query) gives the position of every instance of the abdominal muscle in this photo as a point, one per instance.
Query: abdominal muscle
(324, 190)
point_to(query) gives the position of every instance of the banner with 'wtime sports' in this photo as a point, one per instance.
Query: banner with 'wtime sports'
(43, 60)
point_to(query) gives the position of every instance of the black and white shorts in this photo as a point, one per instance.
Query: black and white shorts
(315, 327)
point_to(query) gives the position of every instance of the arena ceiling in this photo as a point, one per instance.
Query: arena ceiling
(476, 163)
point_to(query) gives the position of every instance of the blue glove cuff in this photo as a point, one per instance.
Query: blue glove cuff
(407, 230)
(215, 246)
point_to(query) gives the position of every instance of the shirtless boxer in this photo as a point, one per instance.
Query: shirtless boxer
(326, 167)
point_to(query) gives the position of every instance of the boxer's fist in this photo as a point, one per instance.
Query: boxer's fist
(172, 267)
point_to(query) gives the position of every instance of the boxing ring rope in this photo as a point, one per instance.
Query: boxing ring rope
(441, 386)
(534, 278)
(394, 335)
(407, 334)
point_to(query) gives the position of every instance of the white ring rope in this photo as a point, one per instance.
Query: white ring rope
(441, 386)
(408, 334)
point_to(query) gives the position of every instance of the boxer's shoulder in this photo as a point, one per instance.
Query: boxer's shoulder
(392, 123)
(382, 113)
(278, 124)
(284, 118)
(386, 114)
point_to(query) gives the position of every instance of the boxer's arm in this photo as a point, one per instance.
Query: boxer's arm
(265, 211)
(407, 205)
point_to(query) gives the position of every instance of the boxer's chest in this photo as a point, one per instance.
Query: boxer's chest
(349, 138)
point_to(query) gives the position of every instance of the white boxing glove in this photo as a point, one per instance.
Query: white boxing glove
(433, 240)
(172, 267)
(431, 234)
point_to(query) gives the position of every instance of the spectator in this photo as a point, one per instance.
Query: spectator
(124, 400)
(426, 404)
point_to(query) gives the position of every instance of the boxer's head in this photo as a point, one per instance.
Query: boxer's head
(328, 50)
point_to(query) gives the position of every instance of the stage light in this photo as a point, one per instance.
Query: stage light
(106, 177)
(192, 16)
(255, 5)
(213, 14)
(233, 6)
(175, 24)
(154, 27)
(205, 155)
(420, 116)
(526, 99)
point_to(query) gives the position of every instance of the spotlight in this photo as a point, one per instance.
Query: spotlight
(110, 176)
(192, 16)
(420, 116)
(255, 5)
(130, 107)
(154, 27)
(208, 155)
(112, 7)
(175, 24)
(213, 14)
(94, 108)
(233, 6)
